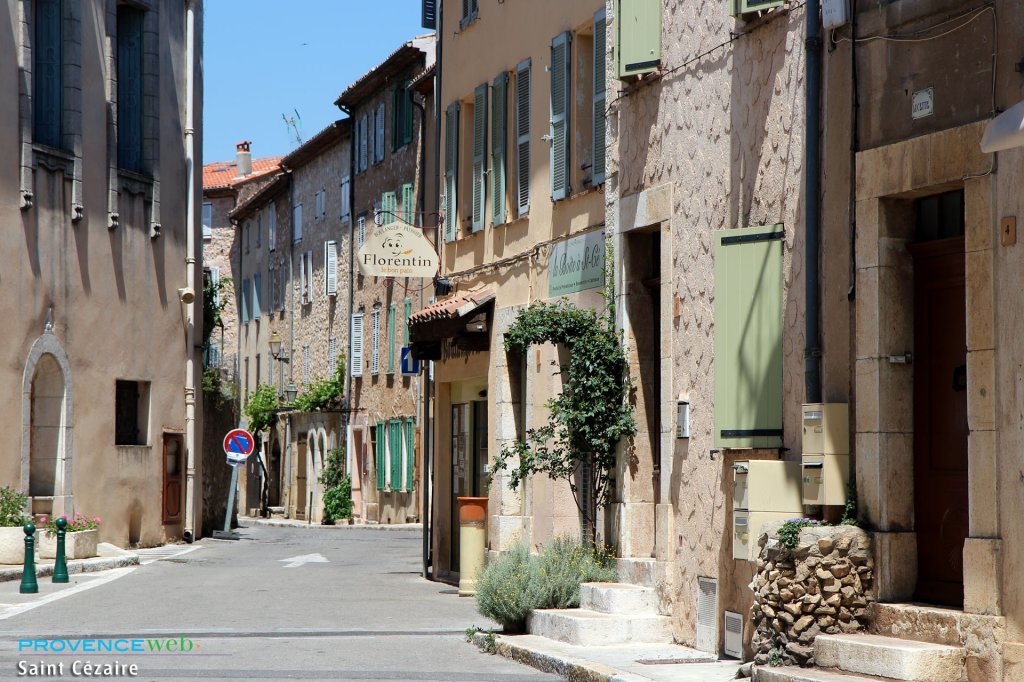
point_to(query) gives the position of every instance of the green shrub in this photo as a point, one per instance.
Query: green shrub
(565, 564)
(505, 592)
(12, 507)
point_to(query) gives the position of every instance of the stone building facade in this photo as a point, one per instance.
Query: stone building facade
(94, 188)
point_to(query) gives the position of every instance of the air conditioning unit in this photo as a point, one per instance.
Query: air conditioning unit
(734, 634)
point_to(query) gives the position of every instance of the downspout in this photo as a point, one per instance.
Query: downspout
(425, 471)
(188, 532)
(812, 204)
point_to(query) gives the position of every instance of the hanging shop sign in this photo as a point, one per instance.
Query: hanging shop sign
(398, 250)
(576, 264)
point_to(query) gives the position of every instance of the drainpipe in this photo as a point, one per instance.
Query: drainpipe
(426, 490)
(188, 532)
(812, 201)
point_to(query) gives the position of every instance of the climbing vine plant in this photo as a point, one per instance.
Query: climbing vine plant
(592, 414)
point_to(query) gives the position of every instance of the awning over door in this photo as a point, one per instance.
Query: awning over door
(464, 319)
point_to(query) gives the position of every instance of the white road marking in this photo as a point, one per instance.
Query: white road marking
(108, 576)
(305, 559)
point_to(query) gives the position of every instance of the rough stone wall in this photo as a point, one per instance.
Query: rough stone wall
(822, 586)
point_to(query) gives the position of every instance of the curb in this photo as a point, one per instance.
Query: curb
(571, 669)
(74, 566)
(245, 521)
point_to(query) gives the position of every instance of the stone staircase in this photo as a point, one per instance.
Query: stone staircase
(610, 613)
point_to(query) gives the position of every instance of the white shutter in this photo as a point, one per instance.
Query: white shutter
(523, 137)
(479, 157)
(599, 97)
(560, 81)
(272, 226)
(346, 209)
(330, 268)
(356, 345)
(375, 349)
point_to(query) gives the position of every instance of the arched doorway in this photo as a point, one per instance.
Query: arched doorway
(46, 453)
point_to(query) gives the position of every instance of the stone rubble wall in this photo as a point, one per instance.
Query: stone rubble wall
(823, 586)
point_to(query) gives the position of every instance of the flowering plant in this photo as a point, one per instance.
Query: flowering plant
(76, 523)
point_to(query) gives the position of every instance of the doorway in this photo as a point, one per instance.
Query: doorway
(940, 400)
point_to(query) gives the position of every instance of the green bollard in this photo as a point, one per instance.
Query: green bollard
(60, 568)
(28, 575)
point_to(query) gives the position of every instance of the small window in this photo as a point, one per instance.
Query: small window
(207, 221)
(131, 413)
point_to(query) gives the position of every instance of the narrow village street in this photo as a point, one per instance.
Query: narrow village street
(349, 605)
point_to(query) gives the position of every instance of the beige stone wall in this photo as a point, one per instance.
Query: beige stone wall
(110, 294)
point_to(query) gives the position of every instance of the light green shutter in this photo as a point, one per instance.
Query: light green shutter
(391, 338)
(560, 80)
(637, 37)
(409, 204)
(405, 320)
(410, 454)
(479, 155)
(378, 455)
(599, 96)
(451, 169)
(395, 443)
(748, 337)
(499, 142)
(523, 138)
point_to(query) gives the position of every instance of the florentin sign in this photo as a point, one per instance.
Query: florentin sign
(398, 250)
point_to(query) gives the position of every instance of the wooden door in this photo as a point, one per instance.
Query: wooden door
(940, 419)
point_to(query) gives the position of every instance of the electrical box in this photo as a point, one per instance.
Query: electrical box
(825, 478)
(826, 429)
(763, 491)
(835, 13)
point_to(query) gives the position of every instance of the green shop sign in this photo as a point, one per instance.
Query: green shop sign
(576, 264)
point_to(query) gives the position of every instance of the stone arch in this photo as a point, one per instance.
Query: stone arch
(47, 421)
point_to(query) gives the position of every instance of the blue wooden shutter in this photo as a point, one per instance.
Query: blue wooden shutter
(410, 454)
(129, 88)
(451, 170)
(379, 454)
(599, 96)
(479, 155)
(48, 72)
(560, 80)
(499, 142)
(748, 337)
(523, 137)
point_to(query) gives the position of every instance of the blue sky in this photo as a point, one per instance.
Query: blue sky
(265, 58)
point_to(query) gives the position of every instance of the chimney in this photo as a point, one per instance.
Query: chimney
(243, 158)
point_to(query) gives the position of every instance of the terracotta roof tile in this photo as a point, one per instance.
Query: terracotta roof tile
(224, 174)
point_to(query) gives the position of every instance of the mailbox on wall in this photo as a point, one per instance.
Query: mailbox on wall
(826, 453)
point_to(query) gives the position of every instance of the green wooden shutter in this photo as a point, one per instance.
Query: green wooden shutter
(479, 155)
(409, 204)
(410, 454)
(748, 337)
(599, 96)
(405, 321)
(48, 72)
(451, 170)
(129, 88)
(637, 37)
(499, 142)
(391, 338)
(523, 138)
(395, 444)
(378, 455)
(560, 80)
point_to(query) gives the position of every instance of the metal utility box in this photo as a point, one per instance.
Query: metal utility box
(826, 429)
(763, 491)
(825, 478)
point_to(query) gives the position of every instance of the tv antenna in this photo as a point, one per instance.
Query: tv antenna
(294, 125)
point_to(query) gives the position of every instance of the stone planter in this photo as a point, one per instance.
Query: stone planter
(12, 545)
(79, 545)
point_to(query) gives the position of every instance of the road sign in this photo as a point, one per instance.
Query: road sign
(410, 366)
(238, 445)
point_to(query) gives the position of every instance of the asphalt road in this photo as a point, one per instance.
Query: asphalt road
(253, 611)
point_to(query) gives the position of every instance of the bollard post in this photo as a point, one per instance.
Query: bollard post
(28, 574)
(60, 568)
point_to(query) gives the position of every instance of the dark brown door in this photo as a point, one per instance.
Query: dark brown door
(940, 419)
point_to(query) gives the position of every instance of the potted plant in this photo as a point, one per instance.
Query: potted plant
(80, 540)
(12, 518)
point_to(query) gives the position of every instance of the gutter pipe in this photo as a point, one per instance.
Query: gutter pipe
(812, 204)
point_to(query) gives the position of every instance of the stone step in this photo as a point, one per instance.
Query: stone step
(794, 674)
(899, 659)
(583, 627)
(642, 572)
(620, 598)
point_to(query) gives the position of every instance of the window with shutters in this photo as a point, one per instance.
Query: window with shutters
(129, 88)
(331, 268)
(272, 226)
(470, 12)
(409, 204)
(296, 223)
(405, 321)
(401, 116)
(379, 440)
(257, 282)
(378, 134)
(637, 31)
(392, 311)
(356, 345)
(522, 109)
(207, 221)
(346, 200)
(451, 171)
(48, 72)
(375, 348)
(499, 145)
(243, 300)
(748, 337)
(305, 364)
(395, 478)
(479, 180)
(410, 454)
(561, 78)
(599, 100)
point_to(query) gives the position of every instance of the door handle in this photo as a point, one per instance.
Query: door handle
(960, 378)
